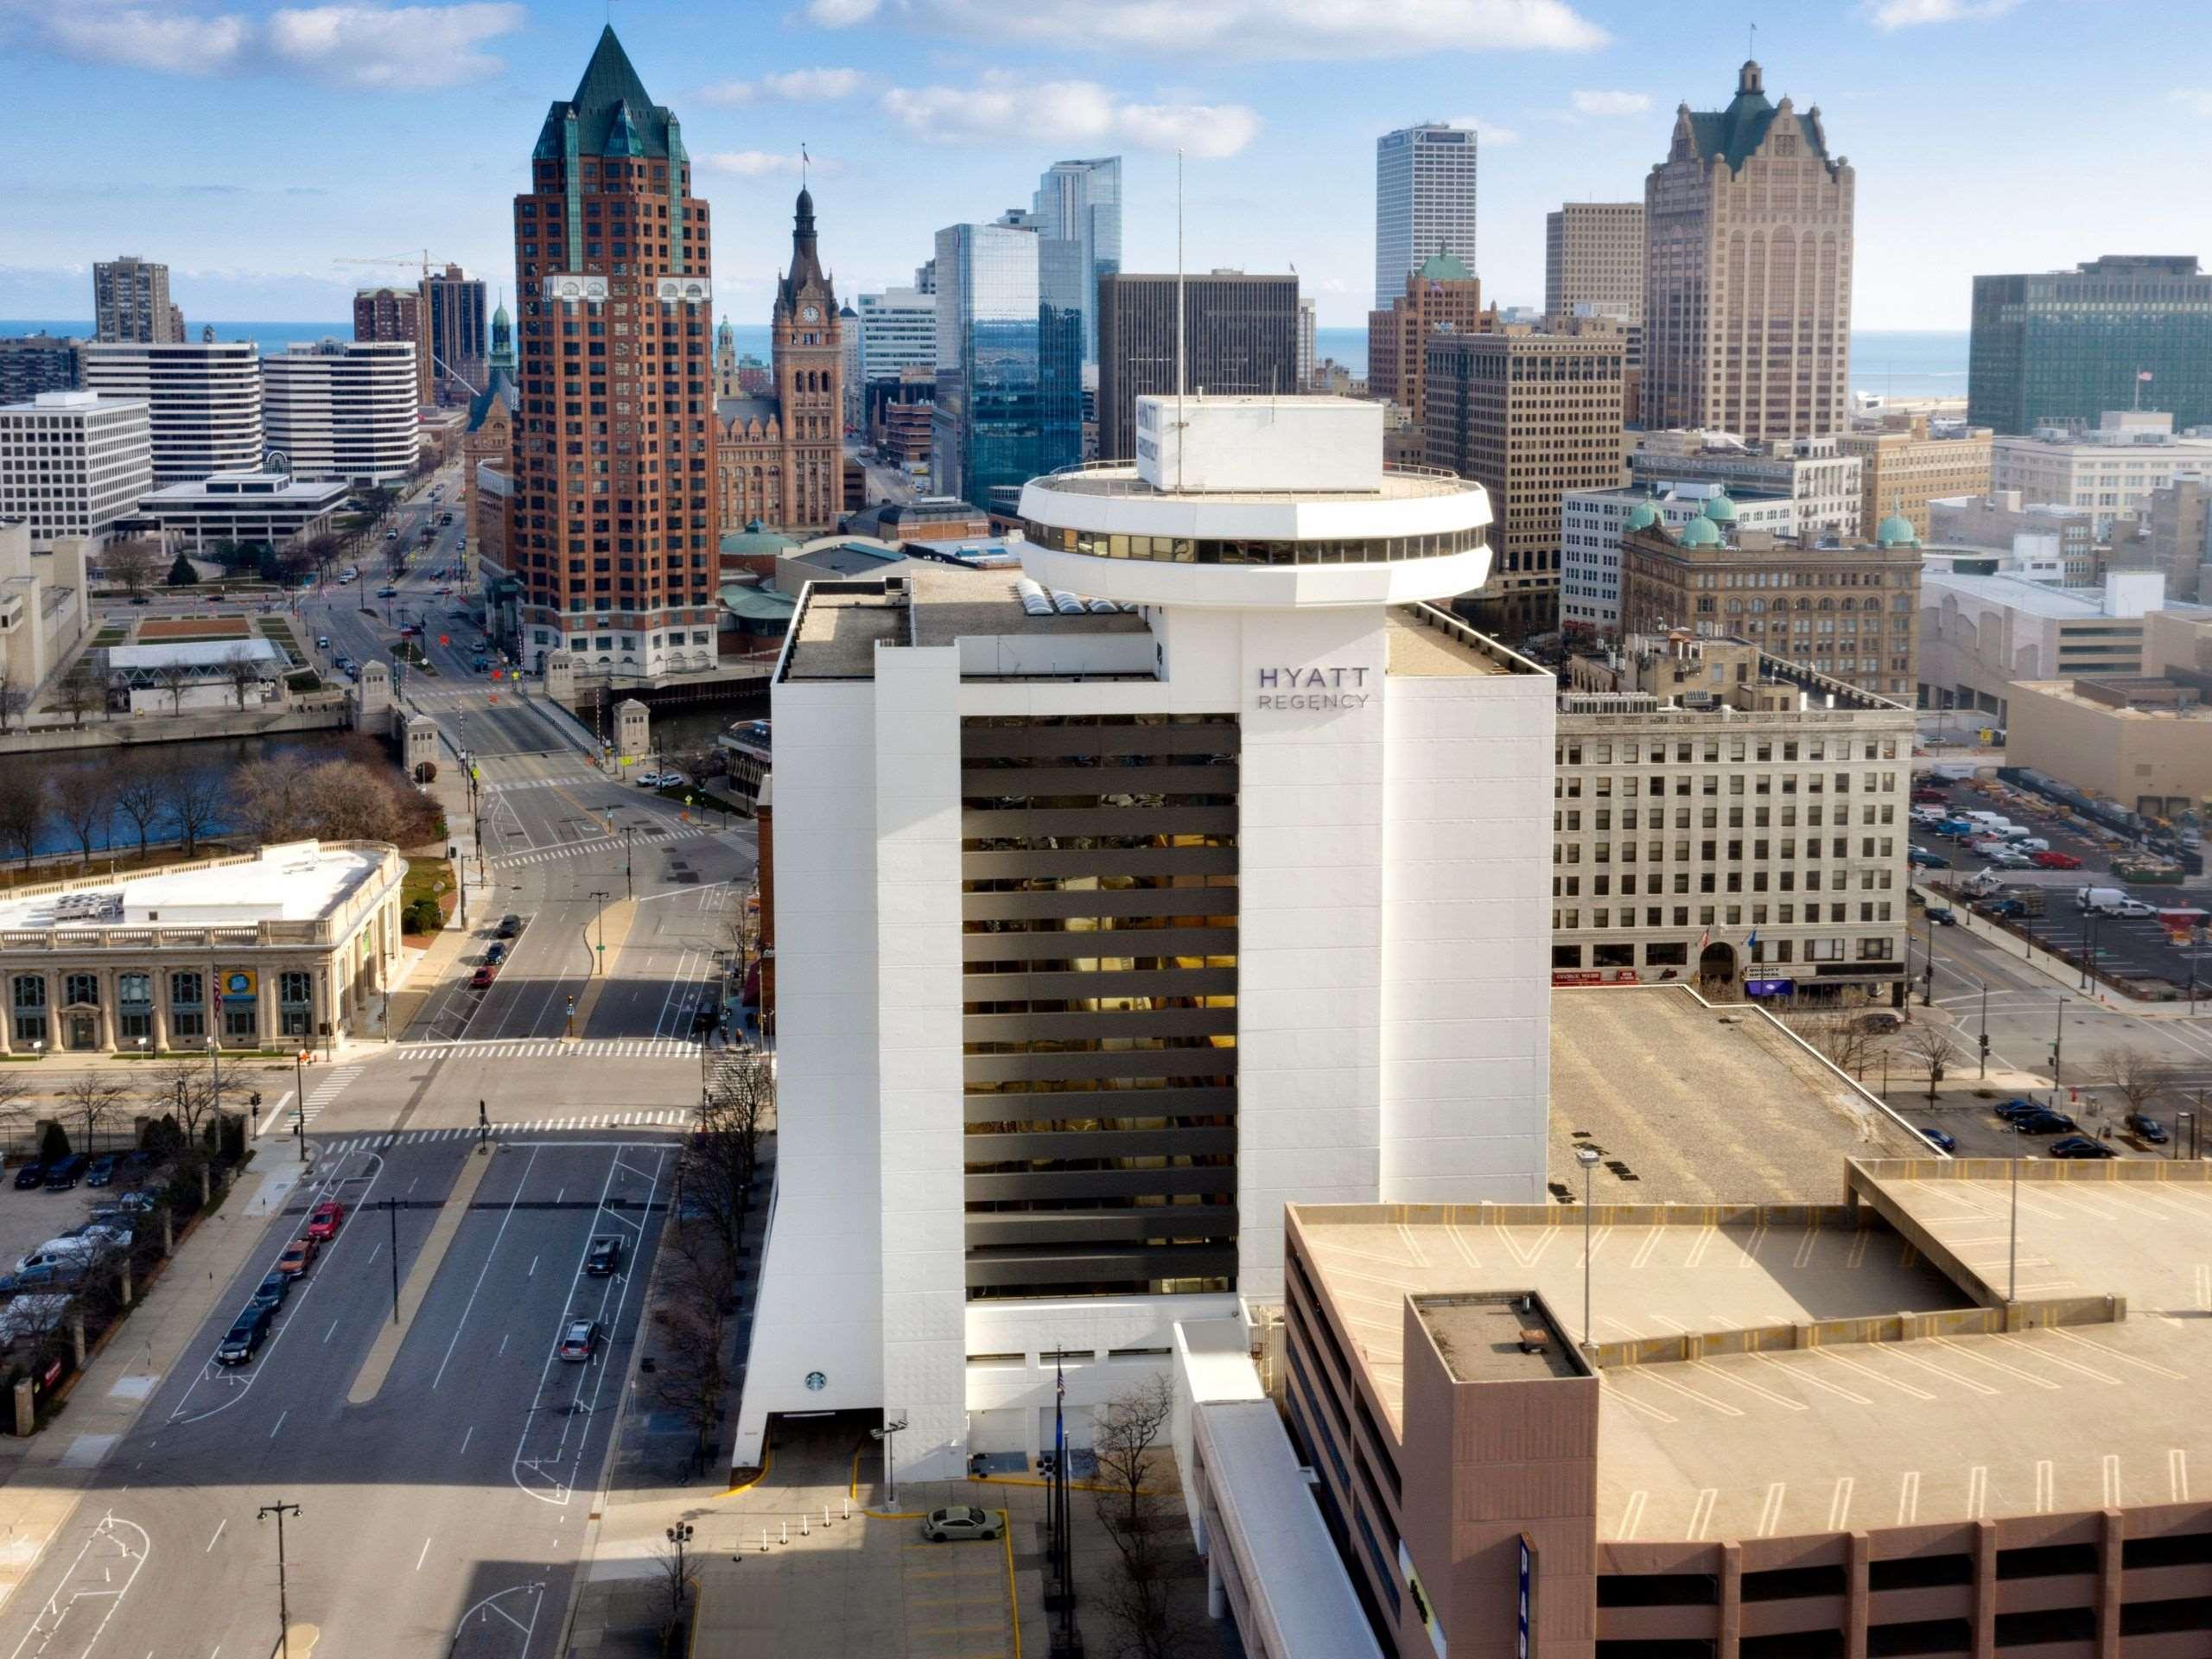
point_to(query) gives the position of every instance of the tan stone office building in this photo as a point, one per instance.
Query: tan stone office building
(282, 949)
(1529, 416)
(1903, 468)
(1850, 610)
(1723, 816)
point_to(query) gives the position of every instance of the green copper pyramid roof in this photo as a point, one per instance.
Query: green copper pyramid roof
(1441, 267)
(1733, 133)
(613, 113)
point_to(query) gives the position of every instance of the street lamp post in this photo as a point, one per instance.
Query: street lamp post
(678, 1537)
(215, 1064)
(283, 1606)
(1588, 1158)
(2058, 1050)
(599, 916)
(1985, 1028)
(890, 1459)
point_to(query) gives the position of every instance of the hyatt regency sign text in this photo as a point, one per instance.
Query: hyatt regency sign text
(1312, 688)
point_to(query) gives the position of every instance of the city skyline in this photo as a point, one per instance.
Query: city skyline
(1577, 104)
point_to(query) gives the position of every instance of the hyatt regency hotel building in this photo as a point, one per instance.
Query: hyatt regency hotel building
(1200, 868)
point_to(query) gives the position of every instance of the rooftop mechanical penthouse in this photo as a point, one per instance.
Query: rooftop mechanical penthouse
(1104, 929)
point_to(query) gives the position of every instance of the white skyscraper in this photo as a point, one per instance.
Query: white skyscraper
(204, 399)
(343, 408)
(1104, 930)
(74, 462)
(1423, 202)
(1308, 319)
(898, 331)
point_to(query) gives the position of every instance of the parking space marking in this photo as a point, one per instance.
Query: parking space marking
(1874, 1375)
(1948, 1376)
(2046, 1486)
(1702, 1513)
(1631, 1517)
(2113, 1497)
(1656, 1381)
(1727, 1374)
(1977, 1490)
(1771, 1510)
(1805, 1374)
(1909, 1498)
(1839, 1505)
(1629, 1402)
(2177, 1474)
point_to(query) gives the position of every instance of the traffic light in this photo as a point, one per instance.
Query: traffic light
(256, 1097)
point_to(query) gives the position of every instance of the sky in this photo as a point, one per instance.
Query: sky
(257, 147)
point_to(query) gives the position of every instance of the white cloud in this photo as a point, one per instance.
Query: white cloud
(1002, 109)
(1489, 132)
(1256, 28)
(2197, 99)
(397, 46)
(1911, 13)
(794, 87)
(402, 47)
(1603, 104)
(758, 164)
(166, 43)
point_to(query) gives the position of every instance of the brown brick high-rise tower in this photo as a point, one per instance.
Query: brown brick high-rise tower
(615, 445)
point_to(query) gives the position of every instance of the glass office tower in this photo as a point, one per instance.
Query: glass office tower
(1081, 202)
(2065, 346)
(1010, 394)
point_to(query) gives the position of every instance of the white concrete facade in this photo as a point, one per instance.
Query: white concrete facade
(2109, 471)
(343, 408)
(1392, 929)
(205, 400)
(74, 462)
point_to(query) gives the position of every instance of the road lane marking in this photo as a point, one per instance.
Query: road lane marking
(424, 1556)
(461, 1323)
(279, 1423)
(532, 1273)
(465, 1438)
(333, 1331)
(219, 1525)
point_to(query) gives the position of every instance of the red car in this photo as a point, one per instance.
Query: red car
(323, 1219)
(1931, 797)
(2056, 862)
(482, 978)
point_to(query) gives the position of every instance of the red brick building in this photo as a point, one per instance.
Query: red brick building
(1443, 294)
(614, 525)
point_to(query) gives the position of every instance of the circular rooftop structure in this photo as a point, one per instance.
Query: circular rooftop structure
(1721, 510)
(1256, 502)
(756, 541)
(1701, 531)
(1642, 516)
(1896, 530)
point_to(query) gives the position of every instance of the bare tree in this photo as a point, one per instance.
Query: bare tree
(194, 796)
(1929, 1048)
(17, 1113)
(133, 565)
(142, 792)
(185, 1092)
(84, 802)
(80, 693)
(14, 701)
(243, 672)
(270, 796)
(1127, 1439)
(690, 1375)
(23, 809)
(672, 1565)
(1842, 1035)
(93, 1103)
(323, 552)
(2140, 1080)
(723, 1157)
(176, 679)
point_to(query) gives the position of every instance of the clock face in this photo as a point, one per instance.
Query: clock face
(810, 314)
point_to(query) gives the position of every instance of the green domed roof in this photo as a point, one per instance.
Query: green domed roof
(1701, 531)
(756, 540)
(1721, 510)
(1896, 530)
(1642, 516)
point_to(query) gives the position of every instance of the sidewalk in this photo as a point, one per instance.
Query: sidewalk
(2065, 975)
(43, 1477)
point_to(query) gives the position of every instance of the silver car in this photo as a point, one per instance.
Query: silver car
(959, 1521)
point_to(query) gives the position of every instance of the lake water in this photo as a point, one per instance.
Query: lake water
(277, 336)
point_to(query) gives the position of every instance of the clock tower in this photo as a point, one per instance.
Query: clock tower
(809, 354)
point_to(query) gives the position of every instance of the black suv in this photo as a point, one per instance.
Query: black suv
(245, 1336)
(604, 1256)
(509, 926)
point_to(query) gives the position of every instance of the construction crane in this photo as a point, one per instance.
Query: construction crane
(408, 261)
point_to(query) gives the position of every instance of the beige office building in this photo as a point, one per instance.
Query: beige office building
(130, 302)
(1529, 416)
(2144, 741)
(279, 949)
(1850, 610)
(1747, 272)
(1725, 816)
(1904, 467)
(1593, 256)
(2111, 470)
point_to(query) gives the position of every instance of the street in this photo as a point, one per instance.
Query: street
(452, 1473)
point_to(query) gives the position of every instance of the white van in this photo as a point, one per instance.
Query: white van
(63, 1253)
(2105, 900)
(2030, 844)
(1989, 820)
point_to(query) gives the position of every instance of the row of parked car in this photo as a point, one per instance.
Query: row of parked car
(243, 1340)
(63, 1173)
